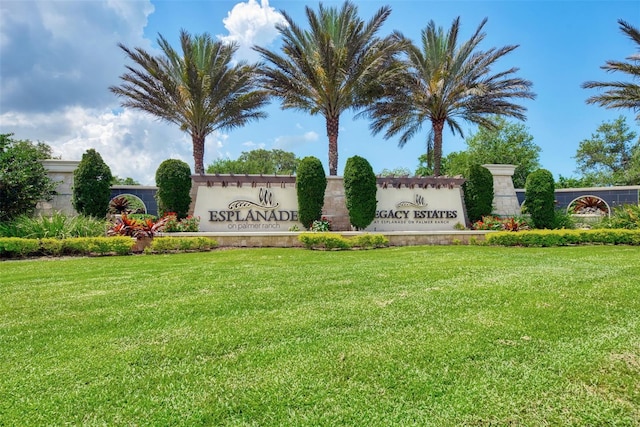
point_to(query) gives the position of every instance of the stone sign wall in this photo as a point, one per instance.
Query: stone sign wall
(269, 203)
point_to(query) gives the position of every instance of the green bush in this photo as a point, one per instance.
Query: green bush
(58, 225)
(311, 183)
(173, 179)
(478, 193)
(369, 241)
(18, 247)
(540, 198)
(360, 191)
(336, 241)
(546, 238)
(625, 216)
(91, 192)
(23, 178)
(178, 244)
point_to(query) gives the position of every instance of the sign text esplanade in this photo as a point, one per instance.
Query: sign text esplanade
(269, 203)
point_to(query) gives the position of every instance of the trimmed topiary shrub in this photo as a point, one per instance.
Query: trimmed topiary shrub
(173, 179)
(478, 193)
(540, 198)
(311, 183)
(92, 185)
(360, 191)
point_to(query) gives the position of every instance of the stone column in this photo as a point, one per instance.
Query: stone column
(505, 201)
(335, 205)
(60, 171)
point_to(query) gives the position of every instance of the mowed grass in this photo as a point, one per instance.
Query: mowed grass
(441, 336)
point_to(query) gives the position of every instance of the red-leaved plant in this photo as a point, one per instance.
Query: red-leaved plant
(125, 226)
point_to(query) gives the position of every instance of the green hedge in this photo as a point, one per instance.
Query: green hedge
(545, 238)
(311, 183)
(180, 244)
(11, 247)
(360, 191)
(336, 241)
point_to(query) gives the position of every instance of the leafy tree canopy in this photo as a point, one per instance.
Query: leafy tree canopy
(611, 156)
(123, 181)
(266, 162)
(504, 143)
(23, 179)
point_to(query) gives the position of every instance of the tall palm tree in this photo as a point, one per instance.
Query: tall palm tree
(199, 90)
(621, 94)
(330, 68)
(443, 82)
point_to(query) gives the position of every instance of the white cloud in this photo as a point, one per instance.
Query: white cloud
(132, 143)
(251, 24)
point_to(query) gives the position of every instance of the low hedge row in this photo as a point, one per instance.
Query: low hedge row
(17, 247)
(179, 244)
(545, 238)
(336, 241)
(14, 247)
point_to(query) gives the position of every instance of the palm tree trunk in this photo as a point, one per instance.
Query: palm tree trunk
(438, 126)
(198, 153)
(332, 132)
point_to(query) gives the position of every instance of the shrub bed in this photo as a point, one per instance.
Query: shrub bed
(546, 238)
(331, 241)
(180, 244)
(11, 247)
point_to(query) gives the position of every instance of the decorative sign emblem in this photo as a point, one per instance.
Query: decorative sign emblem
(418, 203)
(265, 201)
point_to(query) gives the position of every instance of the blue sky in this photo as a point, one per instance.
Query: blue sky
(58, 58)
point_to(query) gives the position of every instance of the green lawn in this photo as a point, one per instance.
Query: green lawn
(442, 336)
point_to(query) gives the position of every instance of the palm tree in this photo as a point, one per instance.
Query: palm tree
(445, 81)
(199, 90)
(330, 68)
(621, 94)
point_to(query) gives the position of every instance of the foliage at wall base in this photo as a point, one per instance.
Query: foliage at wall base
(330, 241)
(546, 238)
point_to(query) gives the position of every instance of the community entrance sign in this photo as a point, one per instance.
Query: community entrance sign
(256, 203)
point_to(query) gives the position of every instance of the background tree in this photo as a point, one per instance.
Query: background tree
(91, 191)
(453, 164)
(478, 192)
(611, 156)
(621, 94)
(173, 179)
(23, 179)
(330, 68)
(311, 183)
(445, 81)
(199, 90)
(540, 198)
(399, 171)
(360, 191)
(123, 181)
(260, 161)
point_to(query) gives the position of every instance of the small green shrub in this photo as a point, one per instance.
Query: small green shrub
(173, 179)
(360, 192)
(177, 244)
(16, 247)
(369, 241)
(311, 183)
(562, 219)
(92, 185)
(337, 241)
(625, 216)
(478, 193)
(540, 199)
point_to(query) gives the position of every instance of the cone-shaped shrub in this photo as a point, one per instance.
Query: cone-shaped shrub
(540, 198)
(173, 179)
(92, 185)
(311, 183)
(478, 193)
(360, 191)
